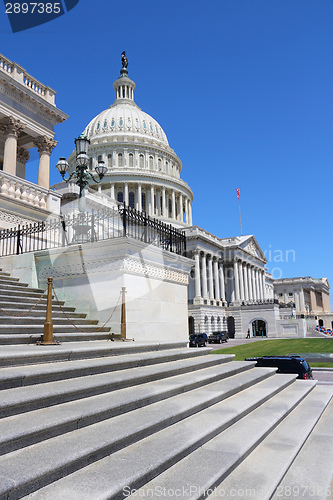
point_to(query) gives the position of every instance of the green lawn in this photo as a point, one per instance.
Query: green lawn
(280, 347)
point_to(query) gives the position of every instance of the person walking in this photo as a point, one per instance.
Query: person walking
(248, 333)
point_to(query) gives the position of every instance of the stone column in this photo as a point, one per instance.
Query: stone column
(22, 158)
(236, 280)
(297, 301)
(45, 147)
(151, 209)
(112, 190)
(197, 274)
(12, 129)
(210, 277)
(163, 214)
(261, 294)
(254, 284)
(190, 213)
(186, 210)
(246, 285)
(302, 301)
(173, 205)
(313, 303)
(241, 280)
(263, 285)
(204, 276)
(256, 273)
(126, 193)
(180, 207)
(221, 276)
(249, 275)
(216, 279)
(139, 197)
(158, 202)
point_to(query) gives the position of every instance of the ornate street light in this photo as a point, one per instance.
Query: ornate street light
(81, 174)
(82, 177)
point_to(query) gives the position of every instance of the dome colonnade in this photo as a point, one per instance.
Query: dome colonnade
(142, 170)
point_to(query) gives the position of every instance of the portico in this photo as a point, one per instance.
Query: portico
(28, 115)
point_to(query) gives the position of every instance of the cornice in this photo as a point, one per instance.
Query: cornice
(20, 94)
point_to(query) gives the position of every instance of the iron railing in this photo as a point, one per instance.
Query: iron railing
(85, 227)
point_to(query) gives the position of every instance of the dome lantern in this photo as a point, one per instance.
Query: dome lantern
(124, 86)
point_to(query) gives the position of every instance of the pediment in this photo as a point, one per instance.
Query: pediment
(252, 247)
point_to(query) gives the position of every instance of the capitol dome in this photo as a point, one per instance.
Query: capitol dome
(143, 171)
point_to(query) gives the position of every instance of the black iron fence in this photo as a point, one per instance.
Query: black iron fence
(85, 227)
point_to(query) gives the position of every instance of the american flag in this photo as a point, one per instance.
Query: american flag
(238, 191)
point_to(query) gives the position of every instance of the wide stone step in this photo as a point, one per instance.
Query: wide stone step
(21, 399)
(24, 355)
(57, 319)
(303, 479)
(24, 305)
(175, 431)
(28, 428)
(38, 313)
(8, 279)
(262, 471)
(27, 298)
(20, 291)
(206, 467)
(35, 339)
(59, 327)
(18, 376)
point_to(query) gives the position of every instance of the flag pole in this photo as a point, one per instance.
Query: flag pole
(240, 215)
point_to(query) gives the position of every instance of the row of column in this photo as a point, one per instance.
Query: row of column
(238, 281)
(249, 281)
(159, 194)
(209, 277)
(13, 154)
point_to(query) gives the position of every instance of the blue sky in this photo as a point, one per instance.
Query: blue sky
(243, 90)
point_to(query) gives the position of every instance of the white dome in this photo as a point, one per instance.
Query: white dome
(125, 118)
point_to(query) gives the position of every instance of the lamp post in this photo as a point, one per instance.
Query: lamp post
(82, 177)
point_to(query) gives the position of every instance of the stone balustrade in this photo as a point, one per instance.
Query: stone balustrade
(20, 75)
(14, 188)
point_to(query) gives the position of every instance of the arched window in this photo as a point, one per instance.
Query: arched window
(142, 161)
(99, 158)
(167, 167)
(121, 122)
(109, 160)
(170, 207)
(160, 165)
(151, 162)
(131, 199)
(130, 160)
(90, 163)
(143, 201)
(120, 160)
(120, 196)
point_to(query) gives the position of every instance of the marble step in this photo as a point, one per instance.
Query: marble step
(156, 435)
(31, 397)
(28, 428)
(133, 464)
(24, 355)
(59, 327)
(311, 474)
(33, 339)
(57, 319)
(18, 376)
(262, 471)
(201, 471)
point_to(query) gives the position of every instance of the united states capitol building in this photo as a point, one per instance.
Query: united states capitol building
(206, 284)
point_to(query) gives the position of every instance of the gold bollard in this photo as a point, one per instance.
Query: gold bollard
(48, 325)
(123, 315)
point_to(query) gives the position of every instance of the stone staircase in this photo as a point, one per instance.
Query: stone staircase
(93, 421)
(17, 298)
